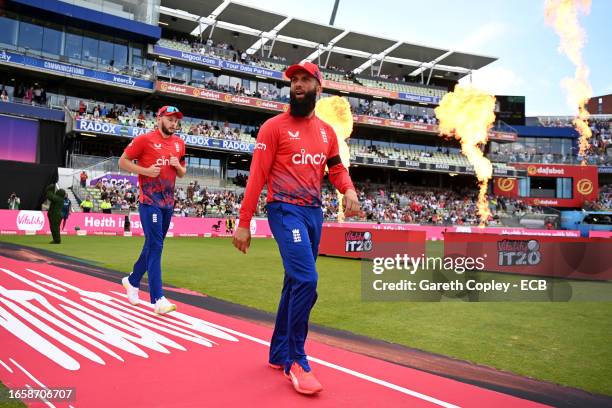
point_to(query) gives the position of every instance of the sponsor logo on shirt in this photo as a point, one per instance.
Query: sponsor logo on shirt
(260, 146)
(294, 135)
(157, 146)
(307, 158)
(163, 161)
(176, 146)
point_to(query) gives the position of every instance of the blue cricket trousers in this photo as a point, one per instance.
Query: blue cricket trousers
(297, 230)
(155, 223)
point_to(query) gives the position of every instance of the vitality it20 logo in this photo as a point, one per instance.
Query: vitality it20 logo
(358, 241)
(516, 252)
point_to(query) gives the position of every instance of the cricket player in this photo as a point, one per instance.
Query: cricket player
(161, 158)
(291, 153)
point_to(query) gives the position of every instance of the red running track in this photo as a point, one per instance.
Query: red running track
(61, 328)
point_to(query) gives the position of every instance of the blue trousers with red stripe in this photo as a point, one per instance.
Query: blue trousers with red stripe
(155, 223)
(297, 230)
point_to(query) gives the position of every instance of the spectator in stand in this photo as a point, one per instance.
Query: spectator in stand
(29, 94)
(83, 178)
(5, 96)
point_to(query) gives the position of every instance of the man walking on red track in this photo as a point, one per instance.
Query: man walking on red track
(291, 153)
(161, 158)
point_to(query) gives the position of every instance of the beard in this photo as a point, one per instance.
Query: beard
(165, 130)
(304, 107)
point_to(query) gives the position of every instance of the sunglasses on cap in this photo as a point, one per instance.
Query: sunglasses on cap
(170, 110)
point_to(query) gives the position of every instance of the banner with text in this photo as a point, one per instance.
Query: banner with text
(73, 70)
(116, 129)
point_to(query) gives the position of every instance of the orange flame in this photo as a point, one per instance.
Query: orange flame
(336, 111)
(562, 15)
(467, 114)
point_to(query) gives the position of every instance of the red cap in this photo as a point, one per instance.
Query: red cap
(309, 67)
(169, 111)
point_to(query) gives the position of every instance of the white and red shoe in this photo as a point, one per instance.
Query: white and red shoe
(303, 381)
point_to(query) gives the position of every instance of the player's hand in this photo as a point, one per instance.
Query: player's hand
(350, 203)
(152, 171)
(174, 161)
(242, 239)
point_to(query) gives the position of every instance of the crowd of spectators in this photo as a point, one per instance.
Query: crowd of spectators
(600, 151)
(226, 51)
(404, 204)
(143, 118)
(412, 205)
(604, 203)
(27, 93)
(369, 109)
(197, 201)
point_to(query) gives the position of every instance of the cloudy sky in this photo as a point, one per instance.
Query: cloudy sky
(514, 31)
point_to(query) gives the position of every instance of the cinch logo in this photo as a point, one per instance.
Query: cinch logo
(307, 158)
(584, 186)
(30, 220)
(260, 146)
(162, 161)
(505, 184)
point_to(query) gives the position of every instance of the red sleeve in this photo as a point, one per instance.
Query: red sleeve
(338, 174)
(183, 153)
(263, 157)
(134, 149)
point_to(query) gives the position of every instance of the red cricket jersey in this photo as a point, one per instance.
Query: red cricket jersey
(290, 155)
(152, 148)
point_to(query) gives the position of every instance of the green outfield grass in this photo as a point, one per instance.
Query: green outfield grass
(6, 402)
(566, 343)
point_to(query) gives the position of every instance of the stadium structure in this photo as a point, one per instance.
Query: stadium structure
(222, 64)
(80, 79)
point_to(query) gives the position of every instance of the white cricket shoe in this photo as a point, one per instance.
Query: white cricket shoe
(132, 292)
(163, 306)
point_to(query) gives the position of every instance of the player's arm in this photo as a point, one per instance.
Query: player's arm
(340, 178)
(263, 157)
(133, 152)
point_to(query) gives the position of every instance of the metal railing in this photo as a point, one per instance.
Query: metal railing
(547, 158)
